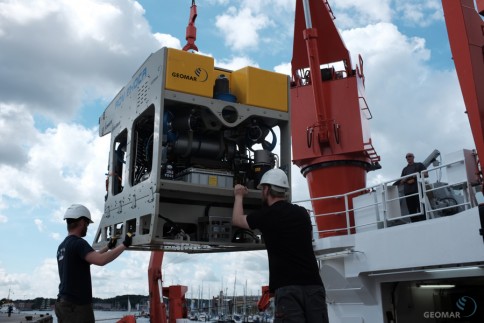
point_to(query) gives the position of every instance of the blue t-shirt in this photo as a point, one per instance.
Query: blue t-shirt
(287, 232)
(74, 270)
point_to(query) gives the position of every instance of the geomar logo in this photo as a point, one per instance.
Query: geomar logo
(199, 75)
(202, 74)
(467, 305)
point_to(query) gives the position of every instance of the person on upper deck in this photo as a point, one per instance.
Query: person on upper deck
(410, 186)
(74, 259)
(294, 276)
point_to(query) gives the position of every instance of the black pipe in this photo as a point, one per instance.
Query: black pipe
(356, 163)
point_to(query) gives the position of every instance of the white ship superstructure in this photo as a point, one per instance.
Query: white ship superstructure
(389, 269)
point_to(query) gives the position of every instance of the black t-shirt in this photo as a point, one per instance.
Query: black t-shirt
(74, 271)
(287, 232)
(410, 188)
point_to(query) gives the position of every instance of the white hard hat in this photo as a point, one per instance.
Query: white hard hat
(76, 211)
(277, 178)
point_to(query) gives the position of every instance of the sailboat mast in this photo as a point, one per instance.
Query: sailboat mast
(234, 309)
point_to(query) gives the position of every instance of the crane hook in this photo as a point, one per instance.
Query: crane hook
(191, 33)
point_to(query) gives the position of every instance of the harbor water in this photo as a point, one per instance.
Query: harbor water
(100, 316)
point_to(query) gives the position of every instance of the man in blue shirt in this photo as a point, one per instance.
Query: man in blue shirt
(74, 259)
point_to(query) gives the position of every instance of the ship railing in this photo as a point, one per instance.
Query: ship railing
(384, 205)
(346, 211)
(447, 195)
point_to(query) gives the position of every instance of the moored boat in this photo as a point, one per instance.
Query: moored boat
(9, 306)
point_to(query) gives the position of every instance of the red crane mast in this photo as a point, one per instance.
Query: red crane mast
(465, 29)
(330, 137)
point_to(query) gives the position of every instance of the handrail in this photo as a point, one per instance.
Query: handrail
(382, 203)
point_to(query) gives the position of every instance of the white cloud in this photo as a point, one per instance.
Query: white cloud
(14, 142)
(235, 63)
(388, 45)
(61, 165)
(351, 14)
(253, 27)
(284, 68)
(20, 14)
(166, 40)
(413, 105)
(420, 13)
(101, 43)
(39, 224)
(241, 27)
(45, 278)
(15, 283)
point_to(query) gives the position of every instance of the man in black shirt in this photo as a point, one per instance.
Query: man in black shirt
(410, 186)
(293, 269)
(74, 258)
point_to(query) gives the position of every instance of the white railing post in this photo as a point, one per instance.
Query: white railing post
(421, 196)
(384, 205)
(347, 212)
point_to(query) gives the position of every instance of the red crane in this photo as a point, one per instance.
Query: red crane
(329, 116)
(465, 29)
(177, 307)
(176, 294)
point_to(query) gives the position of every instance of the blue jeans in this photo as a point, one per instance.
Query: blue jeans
(301, 304)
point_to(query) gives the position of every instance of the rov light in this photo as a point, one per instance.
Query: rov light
(439, 270)
(438, 286)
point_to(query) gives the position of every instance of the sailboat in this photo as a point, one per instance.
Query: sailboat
(5, 306)
(8, 305)
(128, 318)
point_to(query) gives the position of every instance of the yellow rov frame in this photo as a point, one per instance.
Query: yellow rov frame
(183, 133)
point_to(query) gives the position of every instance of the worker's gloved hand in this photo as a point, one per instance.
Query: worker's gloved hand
(128, 240)
(112, 242)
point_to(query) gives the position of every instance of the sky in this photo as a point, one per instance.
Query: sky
(63, 61)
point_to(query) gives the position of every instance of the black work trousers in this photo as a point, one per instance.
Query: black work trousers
(301, 304)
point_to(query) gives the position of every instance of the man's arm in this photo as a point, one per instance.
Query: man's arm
(103, 258)
(239, 219)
